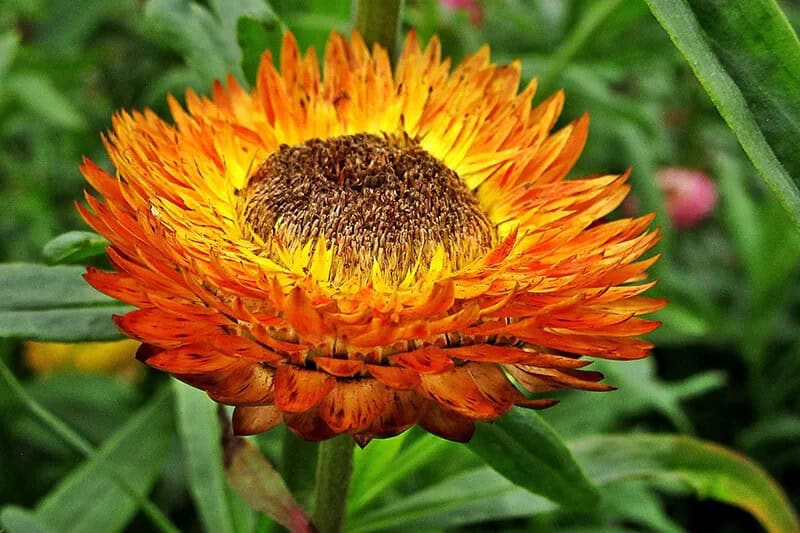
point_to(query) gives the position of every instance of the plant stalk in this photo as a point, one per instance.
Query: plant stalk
(378, 21)
(334, 469)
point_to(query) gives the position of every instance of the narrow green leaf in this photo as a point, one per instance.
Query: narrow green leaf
(260, 485)
(633, 501)
(422, 452)
(206, 37)
(373, 463)
(254, 37)
(54, 304)
(199, 429)
(30, 286)
(711, 470)
(9, 43)
(747, 57)
(73, 246)
(18, 520)
(63, 325)
(526, 450)
(474, 496)
(40, 96)
(90, 499)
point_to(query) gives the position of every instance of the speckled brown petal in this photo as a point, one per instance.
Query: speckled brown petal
(191, 359)
(529, 381)
(353, 405)
(250, 383)
(535, 403)
(234, 345)
(428, 360)
(447, 424)
(297, 389)
(343, 368)
(576, 379)
(457, 391)
(493, 384)
(308, 425)
(395, 377)
(402, 411)
(252, 420)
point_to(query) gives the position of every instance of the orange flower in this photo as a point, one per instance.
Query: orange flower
(364, 251)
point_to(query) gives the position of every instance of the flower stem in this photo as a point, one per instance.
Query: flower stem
(378, 21)
(76, 441)
(334, 469)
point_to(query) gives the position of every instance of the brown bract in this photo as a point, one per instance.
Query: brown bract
(441, 315)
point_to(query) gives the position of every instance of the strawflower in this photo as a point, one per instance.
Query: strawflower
(364, 250)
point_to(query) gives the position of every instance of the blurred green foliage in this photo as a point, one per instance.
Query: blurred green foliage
(727, 363)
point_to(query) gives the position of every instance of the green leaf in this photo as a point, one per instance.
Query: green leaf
(19, 520)
(747, 57)
(254, 37)
(369, 483)
(73, 246)
(45, 303)
(370, 465)
(94, 405)
(711, 470)
(9, 43)
(199, 429)
(477, 495)
(526, 450)
(634, 501)
(206, 37)
(42, 97)
(91, 499)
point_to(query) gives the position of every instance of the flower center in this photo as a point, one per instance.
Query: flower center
(372, 198)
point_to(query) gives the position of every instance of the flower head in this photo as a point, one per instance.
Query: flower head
(691, 195)
(366, 250)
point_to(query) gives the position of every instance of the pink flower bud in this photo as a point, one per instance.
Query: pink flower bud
(691, 195)
(472, 7)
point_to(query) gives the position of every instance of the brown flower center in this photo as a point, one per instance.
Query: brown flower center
(372, 198)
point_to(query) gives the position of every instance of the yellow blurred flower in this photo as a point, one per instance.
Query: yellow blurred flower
(112, 358)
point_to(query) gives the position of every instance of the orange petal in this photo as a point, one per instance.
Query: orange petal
(439, 300)
(343, 368)
(250, 383)
(447, 424)
(120, 286)
(255, 420)
(488, 353)
(298, 389)
(493, 384)
(154, 326)
(191, 359)
(577, 379)
(304, 318)
(457, 391)
(402, 411)
(535, 403)
(308, 425)
(238, 346)
(395, 377)
(428, 360)
(353, 405)
(529, 381)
